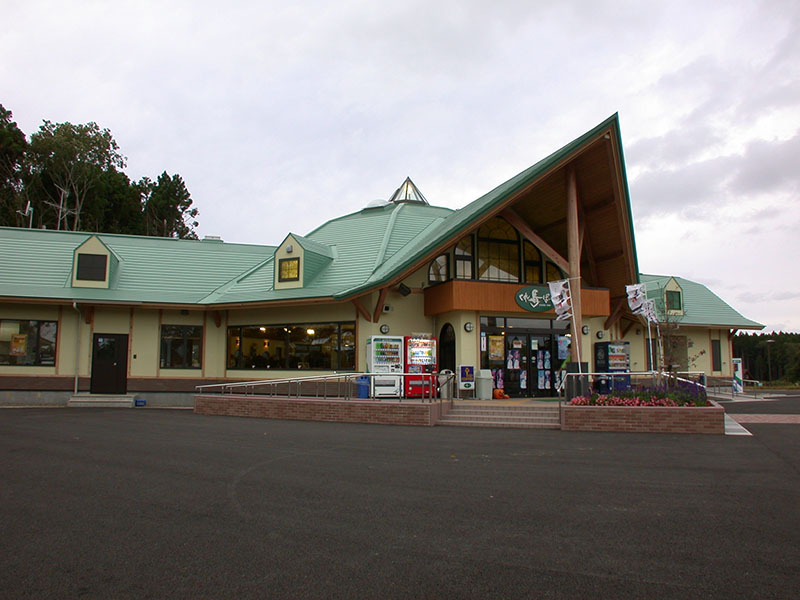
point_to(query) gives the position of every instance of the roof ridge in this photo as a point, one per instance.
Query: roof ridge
(387, 234)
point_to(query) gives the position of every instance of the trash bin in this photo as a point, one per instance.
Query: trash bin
(362, 386)
(446, 383)
(483, 384)
(577, 386)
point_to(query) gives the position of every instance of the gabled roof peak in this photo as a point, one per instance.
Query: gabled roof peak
(408, 192)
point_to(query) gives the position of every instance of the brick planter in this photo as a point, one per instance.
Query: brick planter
(338, 411)
(647, 419)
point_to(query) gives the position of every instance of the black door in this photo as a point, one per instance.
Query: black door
(542, 369)
(109, 364)
(516, 367)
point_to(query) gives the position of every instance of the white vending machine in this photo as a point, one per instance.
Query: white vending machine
(385, 355)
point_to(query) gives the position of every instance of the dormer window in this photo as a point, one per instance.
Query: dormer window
(289, 269)
(91, 267)
(674, 300)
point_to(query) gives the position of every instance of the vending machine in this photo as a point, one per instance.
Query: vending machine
(420, 354)
(385, 355)
(612, 357)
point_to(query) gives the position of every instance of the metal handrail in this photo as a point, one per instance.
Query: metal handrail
(249, 387)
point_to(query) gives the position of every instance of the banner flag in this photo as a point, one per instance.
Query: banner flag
(636, 297)
(561, 298)
(648, 310)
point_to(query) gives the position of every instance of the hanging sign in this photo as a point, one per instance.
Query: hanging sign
(534, 298)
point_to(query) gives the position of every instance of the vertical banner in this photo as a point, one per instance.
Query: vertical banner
(738, 378)
(636, 297)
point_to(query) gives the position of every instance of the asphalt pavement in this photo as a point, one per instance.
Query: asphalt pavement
(114, 503)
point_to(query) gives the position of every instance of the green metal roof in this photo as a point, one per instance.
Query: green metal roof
(38, 264)
(354, 253)
(701, 306)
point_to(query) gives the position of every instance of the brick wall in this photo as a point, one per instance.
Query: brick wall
(339, 411)
(649, 419)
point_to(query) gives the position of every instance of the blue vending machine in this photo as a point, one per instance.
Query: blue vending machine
(612, 357)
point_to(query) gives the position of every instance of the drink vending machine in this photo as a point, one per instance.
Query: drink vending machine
(420, 358)
(385, 355)
(612, 357)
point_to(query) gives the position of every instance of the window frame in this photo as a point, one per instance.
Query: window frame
(286, 261)
(88, 267)
(187, 356)
(487, 243)
(446, 260)
(37, 350)
(672, 294)
(237, 360)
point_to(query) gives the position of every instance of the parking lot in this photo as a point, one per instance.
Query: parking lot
(111, 503)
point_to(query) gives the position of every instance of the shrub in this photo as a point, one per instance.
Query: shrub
(643, 398)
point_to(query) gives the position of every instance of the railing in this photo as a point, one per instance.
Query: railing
(341, 386)
(723, 386)
(580, 384)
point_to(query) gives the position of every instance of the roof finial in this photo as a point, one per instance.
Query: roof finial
(408, 192)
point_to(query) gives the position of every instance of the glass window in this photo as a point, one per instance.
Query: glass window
(323, 346)
(289, 269)
(30, 343)
(533, 263)
(498, 251)
(673, 300)
(464, 258)
(554, 273)
(91, 267)
(716, 356)
(438, 270)
(181, 346)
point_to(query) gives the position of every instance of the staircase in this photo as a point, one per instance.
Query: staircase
(489, 415)
(101, 401)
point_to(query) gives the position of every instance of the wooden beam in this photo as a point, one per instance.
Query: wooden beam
(574, 266)
(519, 223)
(616, 314)
(627, 328)
(361, 310)
(217, 318)
(89, 315)
(379, 304)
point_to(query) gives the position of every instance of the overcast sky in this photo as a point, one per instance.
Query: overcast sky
(282, 115)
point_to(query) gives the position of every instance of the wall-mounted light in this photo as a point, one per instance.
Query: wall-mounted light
(585, 330)
(384, 329)
(289, 249)
(468, 326)
(600, 335)
(310, 331)
(403, 289)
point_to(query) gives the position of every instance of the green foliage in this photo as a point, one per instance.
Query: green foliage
(762, 352)
(13, 147)
(72, 176)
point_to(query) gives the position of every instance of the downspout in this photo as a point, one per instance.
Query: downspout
(77, 346)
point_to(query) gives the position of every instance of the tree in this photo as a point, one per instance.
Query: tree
(168, 210)
(67, 161)
(13, 147)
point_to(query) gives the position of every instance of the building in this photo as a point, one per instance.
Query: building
(115, 313)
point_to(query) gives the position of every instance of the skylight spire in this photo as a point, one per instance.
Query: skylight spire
(408, 192)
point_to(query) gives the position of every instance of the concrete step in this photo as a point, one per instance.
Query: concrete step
(533, 417)
(101, 401)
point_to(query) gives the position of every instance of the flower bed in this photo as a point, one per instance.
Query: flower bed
(644, 411)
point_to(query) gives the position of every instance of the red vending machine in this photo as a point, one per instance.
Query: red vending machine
(420, 357)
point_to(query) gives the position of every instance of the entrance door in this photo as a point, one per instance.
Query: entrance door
(516, 378)
(447, 348)
(109, 364)
(542, 367)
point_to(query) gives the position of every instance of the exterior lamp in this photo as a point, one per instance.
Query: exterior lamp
(384, 329)
(585, 330)
(600, 335)
(468, 326)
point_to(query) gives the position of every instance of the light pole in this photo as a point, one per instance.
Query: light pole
(769, 359)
